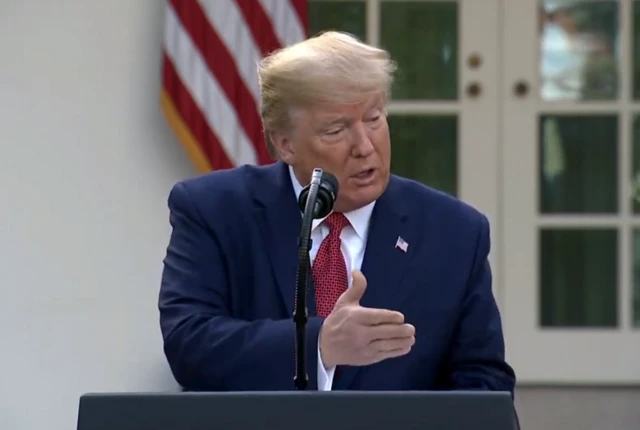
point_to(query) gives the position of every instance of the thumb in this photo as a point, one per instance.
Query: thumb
(354, 294)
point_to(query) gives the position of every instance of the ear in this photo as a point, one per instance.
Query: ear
(283, 147)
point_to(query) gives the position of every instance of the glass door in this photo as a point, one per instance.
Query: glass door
(443, 116)
(571, 181)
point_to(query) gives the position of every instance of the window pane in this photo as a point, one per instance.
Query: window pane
(635, 180)
(348, 16)
(578, 164)
(423, 39)
(636, 49)
(636, 279)
(578, 278)
(425, 148)
(579, 50)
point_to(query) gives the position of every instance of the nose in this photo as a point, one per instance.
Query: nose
(362, 144)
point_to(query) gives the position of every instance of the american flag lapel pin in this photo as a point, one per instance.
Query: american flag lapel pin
(401, 244)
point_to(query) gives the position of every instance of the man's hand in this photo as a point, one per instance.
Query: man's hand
(357, 336)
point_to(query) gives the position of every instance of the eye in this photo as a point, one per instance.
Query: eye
(334, 131)
(374, 118)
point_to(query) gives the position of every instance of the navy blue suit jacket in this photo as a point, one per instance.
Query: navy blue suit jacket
(227, 291)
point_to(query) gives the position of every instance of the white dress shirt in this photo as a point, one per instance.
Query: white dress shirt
(354, 239)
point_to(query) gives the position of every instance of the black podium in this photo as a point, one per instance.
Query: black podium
(298, 410)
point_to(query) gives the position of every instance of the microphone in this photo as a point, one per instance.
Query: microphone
(316, 201)
(326, 196)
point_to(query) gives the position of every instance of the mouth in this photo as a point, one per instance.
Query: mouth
(365, 176)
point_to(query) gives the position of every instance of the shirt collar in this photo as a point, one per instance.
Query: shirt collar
(359, 218)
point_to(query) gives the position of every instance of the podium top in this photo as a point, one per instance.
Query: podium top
(298, 410)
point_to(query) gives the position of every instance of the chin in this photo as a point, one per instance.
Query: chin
(359, 197)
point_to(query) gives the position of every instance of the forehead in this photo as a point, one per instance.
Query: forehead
(327, 112)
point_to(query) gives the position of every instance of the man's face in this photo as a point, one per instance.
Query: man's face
(350, 141)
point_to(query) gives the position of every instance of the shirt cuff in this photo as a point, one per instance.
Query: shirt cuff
(325, 376)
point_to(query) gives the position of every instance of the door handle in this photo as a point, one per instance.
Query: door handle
(521, 88)
(474, 89)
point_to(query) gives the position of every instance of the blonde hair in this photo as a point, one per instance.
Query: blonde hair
(332, 67)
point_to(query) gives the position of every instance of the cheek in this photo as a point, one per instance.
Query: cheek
(330, 156)
(381, 140)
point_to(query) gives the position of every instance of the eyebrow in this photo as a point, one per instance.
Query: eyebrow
(346, 120)
(337, 121)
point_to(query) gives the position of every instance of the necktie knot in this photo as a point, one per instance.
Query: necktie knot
(336, 222)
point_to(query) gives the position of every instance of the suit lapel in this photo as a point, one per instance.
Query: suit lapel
(384, 262)
(280, 222)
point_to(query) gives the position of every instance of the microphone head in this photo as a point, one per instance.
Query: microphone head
(326, 196)
(330, 183)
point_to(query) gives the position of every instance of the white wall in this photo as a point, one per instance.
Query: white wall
(86, 164)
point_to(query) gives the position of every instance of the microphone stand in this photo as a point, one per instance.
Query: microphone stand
(300, 313)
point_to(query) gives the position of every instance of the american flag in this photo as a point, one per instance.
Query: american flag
(402, 244)
(210, 93)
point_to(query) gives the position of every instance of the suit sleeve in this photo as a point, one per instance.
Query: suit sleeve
(206, 348)
(477, 359)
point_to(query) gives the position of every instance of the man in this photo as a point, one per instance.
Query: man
(401, 296)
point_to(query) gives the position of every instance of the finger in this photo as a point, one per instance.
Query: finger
(370, 316)
(389, 331)
(388, 345)
(394, 353)
(376, 357)
(354, 293)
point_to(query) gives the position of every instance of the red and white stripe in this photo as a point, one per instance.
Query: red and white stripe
(210, 91)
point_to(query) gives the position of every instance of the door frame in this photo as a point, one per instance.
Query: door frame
(556, 356)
